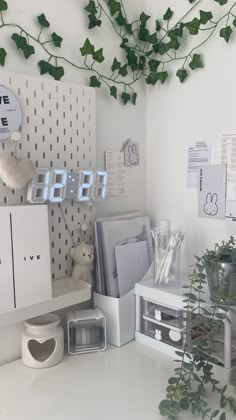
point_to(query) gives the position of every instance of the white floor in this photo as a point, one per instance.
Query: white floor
(120, 384)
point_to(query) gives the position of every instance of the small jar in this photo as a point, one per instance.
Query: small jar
(42, 342)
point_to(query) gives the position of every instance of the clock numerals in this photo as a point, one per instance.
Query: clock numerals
(56, 185)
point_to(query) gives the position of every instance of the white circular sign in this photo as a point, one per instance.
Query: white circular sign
(10, 113)
(175, 335)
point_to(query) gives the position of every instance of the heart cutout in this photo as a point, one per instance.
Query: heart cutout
(42, 351)
(15, 173)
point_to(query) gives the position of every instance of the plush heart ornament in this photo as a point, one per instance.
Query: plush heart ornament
(15, 173)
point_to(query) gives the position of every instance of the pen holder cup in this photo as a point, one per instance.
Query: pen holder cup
(167, 266)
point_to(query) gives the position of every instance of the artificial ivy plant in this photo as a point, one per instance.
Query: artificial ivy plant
(149, 47)
(194, 377)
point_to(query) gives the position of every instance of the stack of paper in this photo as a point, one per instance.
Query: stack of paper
(124, 253)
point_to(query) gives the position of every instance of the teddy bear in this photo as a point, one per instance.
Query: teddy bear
(83, 257)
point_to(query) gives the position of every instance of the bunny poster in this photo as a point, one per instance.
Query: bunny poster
(131, 153)
(212, 191)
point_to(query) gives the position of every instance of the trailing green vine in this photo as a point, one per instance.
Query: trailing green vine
(148, 51)
(194, 378)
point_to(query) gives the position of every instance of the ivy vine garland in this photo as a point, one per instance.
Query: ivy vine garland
(148, 54)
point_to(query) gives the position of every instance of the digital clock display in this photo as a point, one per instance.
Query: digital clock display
(57, 185)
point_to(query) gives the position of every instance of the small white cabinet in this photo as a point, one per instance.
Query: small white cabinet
(161, 323)
(25, 266)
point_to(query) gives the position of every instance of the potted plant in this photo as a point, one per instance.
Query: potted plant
(194, 377)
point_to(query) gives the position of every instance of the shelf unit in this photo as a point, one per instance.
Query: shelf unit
(172, 300)
(63, 296)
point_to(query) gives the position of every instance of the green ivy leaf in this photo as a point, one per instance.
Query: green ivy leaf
(91, 7)
(162, 76)
(3, 55)
(114, 6)
(142, 62)
(128, 28)
(56, 72)
(56, 39)
(153, 65)
(134, 98)
(123, 70)
(226, 33)
(44, 67)
(221, 2)
(161, 48)
(143, 33)
(113, 91)
(21, 43)
(158, 25)
(182, 74)
(115, 65)
(168, 14)
(174, 44)
(193, 26)
(234, 22)
(94, 82)
(121, 21)
(196, 62)
(98, 56)
(93, 22)
(3, 5)
(43, 21)
(87, 49)
(144, 18)
(222, 416)
(123, 44)
(132, 59)
(125, 97)
(205, 17)
(152, 78)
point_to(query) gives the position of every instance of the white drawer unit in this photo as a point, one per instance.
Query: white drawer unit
(25, 268)
(161, 323)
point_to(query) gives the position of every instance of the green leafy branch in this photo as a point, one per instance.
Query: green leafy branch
(147, 52)
(187, 390)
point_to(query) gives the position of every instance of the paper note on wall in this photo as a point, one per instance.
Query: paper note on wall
(198, 155)
(230, 217)
(228, 158)
(117, 180)
(211, 191)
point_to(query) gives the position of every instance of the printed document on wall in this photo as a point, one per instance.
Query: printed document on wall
(117, 182)
(211, 191)
(198, 155)
(228, 158)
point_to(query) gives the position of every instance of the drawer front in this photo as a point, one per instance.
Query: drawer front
(171, 317)
(166, 335)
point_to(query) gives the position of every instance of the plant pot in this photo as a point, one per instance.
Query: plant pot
(221, 277)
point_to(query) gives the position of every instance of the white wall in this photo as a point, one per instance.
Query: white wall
(115, 123)
(201, 109)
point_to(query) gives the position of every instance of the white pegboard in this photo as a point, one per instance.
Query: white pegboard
(58, 131)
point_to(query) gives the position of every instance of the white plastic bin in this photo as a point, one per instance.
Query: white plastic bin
(120, 317)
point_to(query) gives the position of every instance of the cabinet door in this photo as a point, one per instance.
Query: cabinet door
(7, 301)
(32, 265)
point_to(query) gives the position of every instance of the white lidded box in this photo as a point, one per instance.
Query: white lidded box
(120, 317)
(86, 331)
(25, 266)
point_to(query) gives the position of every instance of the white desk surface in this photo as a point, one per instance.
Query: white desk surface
(120, 384)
